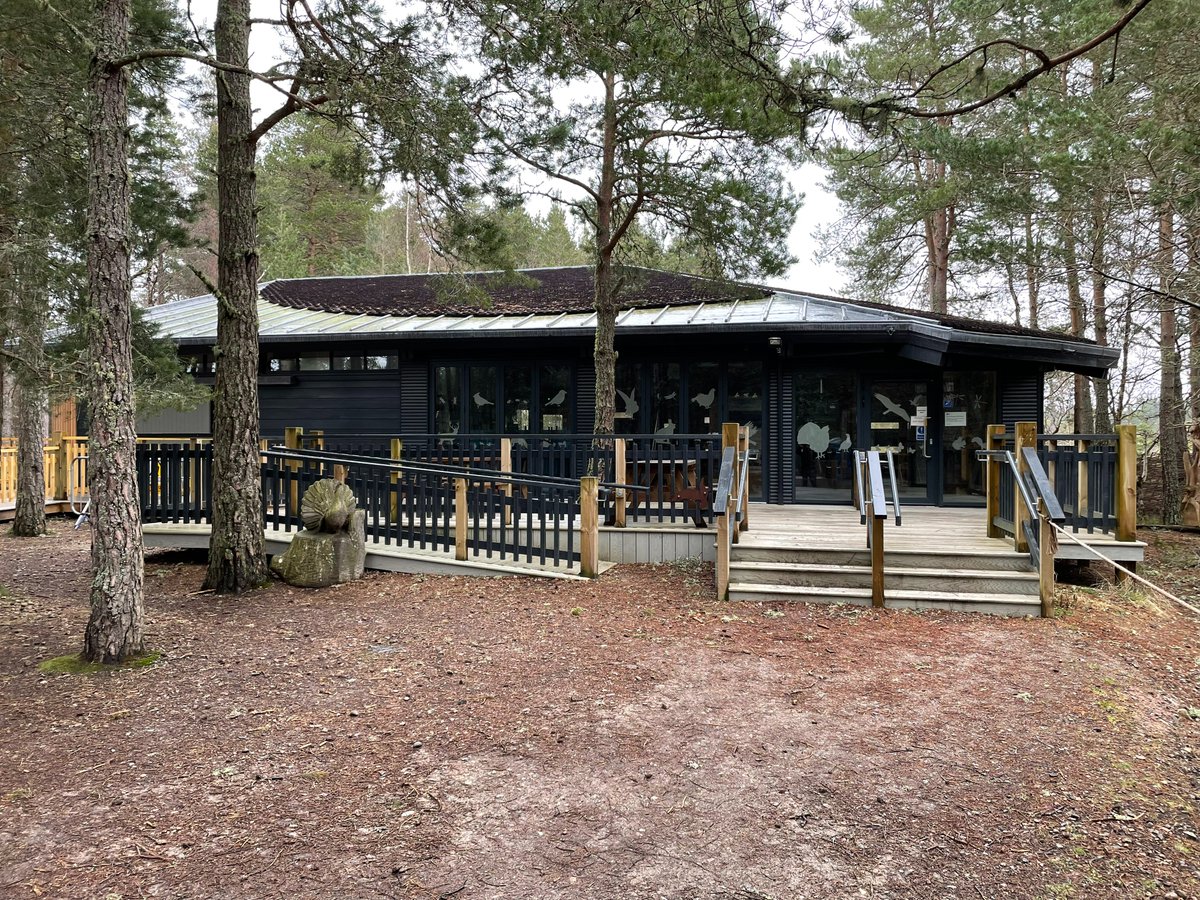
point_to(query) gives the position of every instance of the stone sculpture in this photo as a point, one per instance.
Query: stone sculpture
(332, 547)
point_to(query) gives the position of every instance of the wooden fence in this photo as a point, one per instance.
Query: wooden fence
(59, 457)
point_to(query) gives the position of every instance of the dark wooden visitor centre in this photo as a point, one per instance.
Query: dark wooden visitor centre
(814, 377)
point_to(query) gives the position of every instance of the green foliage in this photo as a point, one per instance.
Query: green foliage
(697, 147)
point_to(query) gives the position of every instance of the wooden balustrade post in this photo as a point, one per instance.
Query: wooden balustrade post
(1083, 448)
(995, 435)
(292, 438)
(1026, 436)
(1047, 545)
(62, 465)
(876, 523)
(506, 488)
(723, 555)
(589, 526)
(1126, 483)
(397, 452)
(620, 501)
(461, 518)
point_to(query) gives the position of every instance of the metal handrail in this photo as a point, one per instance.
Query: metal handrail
(741, 488)
(724, 481)
(895, 489)
(860, 495)
(447, 470)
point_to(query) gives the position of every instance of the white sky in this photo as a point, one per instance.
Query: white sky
(810, 272)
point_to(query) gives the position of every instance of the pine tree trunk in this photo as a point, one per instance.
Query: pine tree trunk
(604, 350)
(114, 630)
(1100, 305)
(1084, 420)
(29, 518)
(1192, 288)
(1172, 438)
(236, 560)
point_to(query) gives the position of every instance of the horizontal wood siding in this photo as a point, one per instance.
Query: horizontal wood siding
(338, 402)
(585, 398)
(414, 398)
(1021, 399)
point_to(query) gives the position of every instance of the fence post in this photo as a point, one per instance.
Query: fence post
(1126, 482)
(876, 523)
(1083, 448)
(397, 451)
(730, 437)
(723, 555)
(506, 488)
(292, 438)
(744, 447)
(619, 475)
(1047, 544)
(461, 517)
(1026, 436)
(62, 463)
(995, 436)
(589, 526)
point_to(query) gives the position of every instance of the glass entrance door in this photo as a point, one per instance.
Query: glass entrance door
(900, 423)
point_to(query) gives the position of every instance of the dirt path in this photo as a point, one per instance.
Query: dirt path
(443, 737)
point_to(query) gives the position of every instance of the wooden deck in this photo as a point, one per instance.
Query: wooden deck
(53, 508)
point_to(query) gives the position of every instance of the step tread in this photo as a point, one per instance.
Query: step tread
(865, 593)
(784, 547)
(768, 566)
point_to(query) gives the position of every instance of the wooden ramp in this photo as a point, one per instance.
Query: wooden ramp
(938, 558)
(380, 556)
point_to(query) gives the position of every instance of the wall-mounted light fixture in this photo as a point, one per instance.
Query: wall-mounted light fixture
(777, 343)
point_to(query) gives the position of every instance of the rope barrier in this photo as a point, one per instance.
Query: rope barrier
(1134, 575)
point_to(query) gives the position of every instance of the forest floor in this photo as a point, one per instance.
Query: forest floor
(437, 737)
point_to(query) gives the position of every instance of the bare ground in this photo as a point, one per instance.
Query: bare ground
(449, 737)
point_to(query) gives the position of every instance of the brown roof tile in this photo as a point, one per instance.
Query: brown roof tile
(517, 293)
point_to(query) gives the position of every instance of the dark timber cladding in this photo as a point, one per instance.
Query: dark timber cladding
(467, 357)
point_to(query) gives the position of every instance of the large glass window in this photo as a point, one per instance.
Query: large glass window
(899, 422)
(744, 387)
(826, 406)
(628, 418)
(518, 399)
(704, 402)
(664, 399)
(483, 386)
(447, 417)
(555, 396)
(968, 407)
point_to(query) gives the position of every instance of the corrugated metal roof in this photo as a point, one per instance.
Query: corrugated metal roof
(195, 320)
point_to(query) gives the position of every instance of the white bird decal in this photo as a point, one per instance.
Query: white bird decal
(482, 401)
(557, 399)
(893, 408)
(817, 438)
(977, 441)
(846, 444)
(631, 405)
(959, 443)
(670, 396)
(705, 401)
(669, 428)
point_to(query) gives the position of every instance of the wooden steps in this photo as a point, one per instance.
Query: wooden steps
(930, 566)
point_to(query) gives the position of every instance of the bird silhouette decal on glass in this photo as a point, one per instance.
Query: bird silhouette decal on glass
(557, 399)
(705, 401)
(482, 401)
(631, 404)
(846, 443)
(891, 407)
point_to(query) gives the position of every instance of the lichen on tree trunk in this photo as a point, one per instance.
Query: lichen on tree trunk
(236, 560)
(114, 629)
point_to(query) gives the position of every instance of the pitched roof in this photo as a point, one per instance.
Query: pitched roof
(530, 291)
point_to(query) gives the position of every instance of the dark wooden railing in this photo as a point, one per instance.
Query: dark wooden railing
(677, 473)
(175, 481)
(1093, 478)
